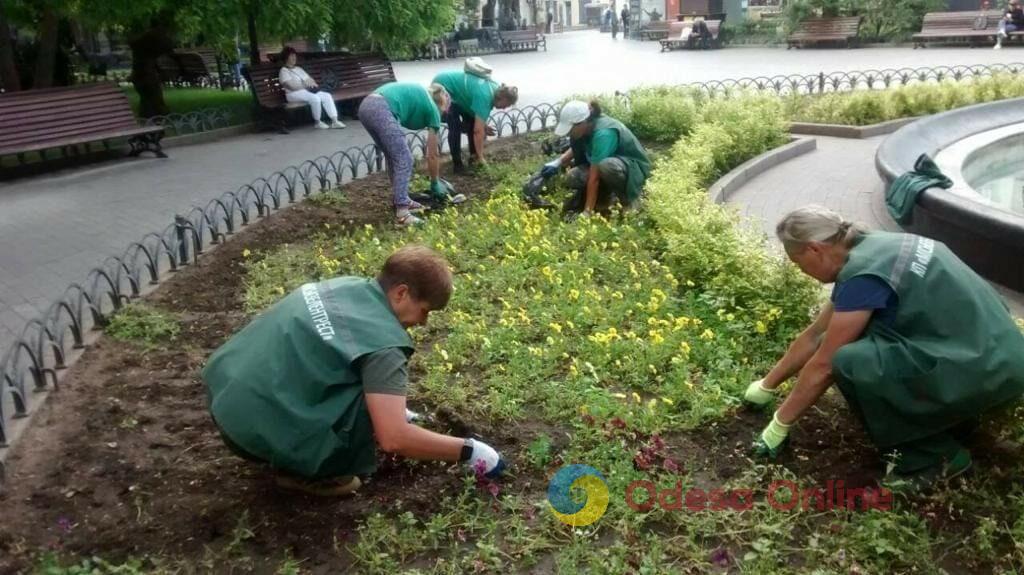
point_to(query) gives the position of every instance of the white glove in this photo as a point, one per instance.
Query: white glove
(758, 394)
(411, 416)
(485, 459)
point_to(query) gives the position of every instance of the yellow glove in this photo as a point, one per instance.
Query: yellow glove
(772, 439)
(757, 394)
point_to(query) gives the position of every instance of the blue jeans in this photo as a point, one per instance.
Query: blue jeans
(1007, 27)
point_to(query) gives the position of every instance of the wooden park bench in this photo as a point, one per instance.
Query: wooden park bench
(820, 30)
(654, 30)
(186, 68)
(972, 26)
(65, 118)
(518, 40)
(345, 75)
(681, 35)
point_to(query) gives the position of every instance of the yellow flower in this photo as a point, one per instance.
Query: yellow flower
(760, 327)
(246, 253)
(668, 401)
(652, 404)
(280, 290)
(636, 397)
(708, 334)
(574, 294)
(684, 347)
(619, 395)
(557, 328)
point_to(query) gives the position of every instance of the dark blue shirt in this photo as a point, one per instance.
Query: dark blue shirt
(866, 292)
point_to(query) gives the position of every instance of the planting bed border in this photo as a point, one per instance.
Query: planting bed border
(990, 240)
(719, 191)
(852, 132)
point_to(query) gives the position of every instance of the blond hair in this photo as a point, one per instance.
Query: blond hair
(815, 224)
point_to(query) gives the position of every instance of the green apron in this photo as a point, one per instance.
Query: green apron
(284, 389)
(630, 151)
(951, 352)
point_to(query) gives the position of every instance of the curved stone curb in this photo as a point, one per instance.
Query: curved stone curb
(734, 180)
(853, 132)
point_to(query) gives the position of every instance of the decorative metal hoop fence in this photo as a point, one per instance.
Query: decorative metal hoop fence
(33, 362)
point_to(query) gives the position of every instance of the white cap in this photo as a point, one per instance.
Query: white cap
(572, 113)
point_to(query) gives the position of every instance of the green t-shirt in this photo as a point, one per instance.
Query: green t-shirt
(411, 105)
(470, 92)
(385, 371)
(603, 145)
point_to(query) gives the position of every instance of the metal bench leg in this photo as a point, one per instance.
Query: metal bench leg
(147, 143)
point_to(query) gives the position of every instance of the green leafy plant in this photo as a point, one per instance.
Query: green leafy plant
(144, 325)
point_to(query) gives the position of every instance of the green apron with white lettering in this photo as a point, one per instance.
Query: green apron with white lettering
(284, 389)
(952, 352)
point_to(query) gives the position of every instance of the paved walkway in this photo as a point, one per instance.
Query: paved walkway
(845, 180)
(54, 229)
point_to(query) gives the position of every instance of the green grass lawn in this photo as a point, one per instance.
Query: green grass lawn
(185, 100)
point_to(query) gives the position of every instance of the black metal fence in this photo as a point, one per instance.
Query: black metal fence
(33, 362)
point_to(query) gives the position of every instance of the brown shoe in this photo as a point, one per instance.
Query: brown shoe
(333, 487)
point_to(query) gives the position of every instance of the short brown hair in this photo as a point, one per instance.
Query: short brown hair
(425, 271)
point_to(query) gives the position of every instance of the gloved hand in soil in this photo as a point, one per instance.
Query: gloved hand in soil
(411, 416)
(551, 168)
(484, 460)
(437, 190)
(758, 395)
(773, 439)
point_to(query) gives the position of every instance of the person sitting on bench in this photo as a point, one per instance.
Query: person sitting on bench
(298, 86)
(1012, 21)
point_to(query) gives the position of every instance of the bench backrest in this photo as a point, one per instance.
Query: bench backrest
(346, 75)
(845, 25)
(518, 35)
(62, 114)
(183, 66)
(676, 29)
(659, 26)
(934, 21)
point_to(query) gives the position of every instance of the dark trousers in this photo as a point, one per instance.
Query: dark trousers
(916, 455)
(459, 121)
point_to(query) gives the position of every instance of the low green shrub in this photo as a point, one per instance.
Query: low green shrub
(863, 107)
(705, 242)
(143, 325)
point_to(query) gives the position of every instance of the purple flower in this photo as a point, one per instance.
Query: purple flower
(720, 557)
(65, 525)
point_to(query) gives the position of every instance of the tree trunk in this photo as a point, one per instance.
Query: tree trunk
(147, 47)
(254, 44)
(8, 70)
(46, 55)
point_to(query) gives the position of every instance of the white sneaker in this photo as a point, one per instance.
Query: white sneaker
(338, 125)
(321, 126)
(997, 47)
